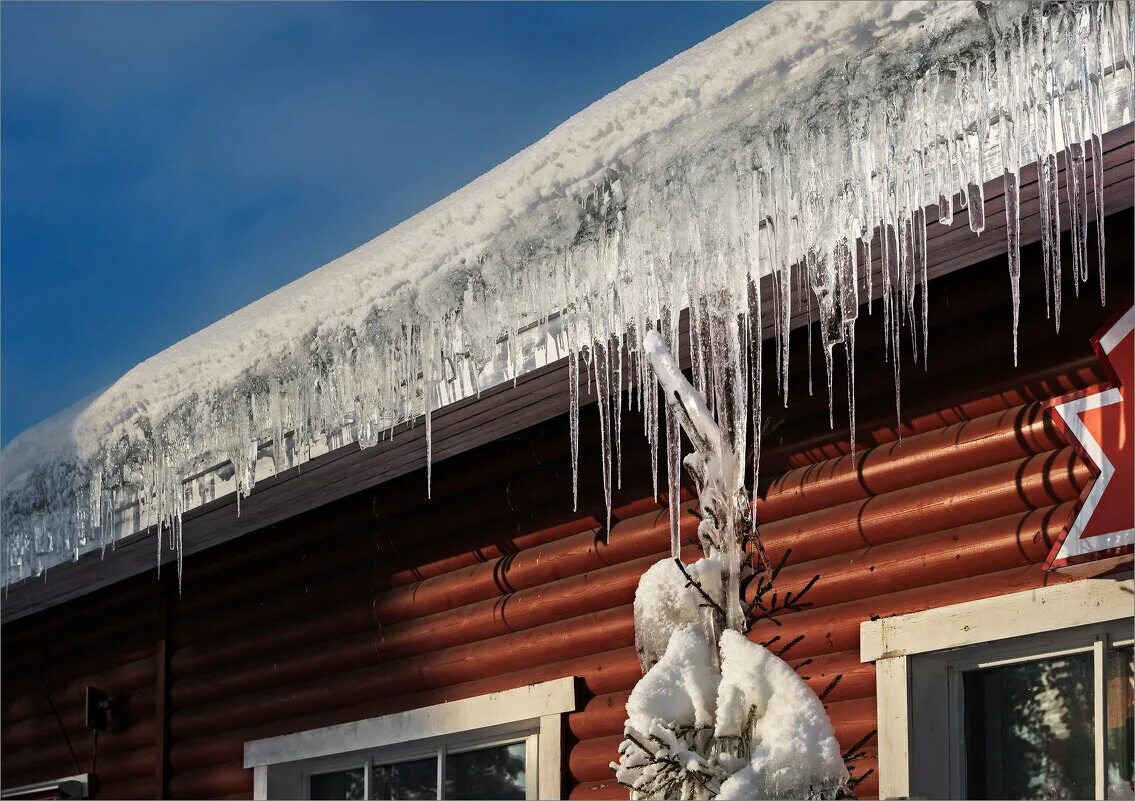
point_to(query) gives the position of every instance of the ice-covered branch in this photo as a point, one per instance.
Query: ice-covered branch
(697, 420)
(770, 736)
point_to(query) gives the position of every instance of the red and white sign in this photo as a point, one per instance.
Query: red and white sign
(1100, 423)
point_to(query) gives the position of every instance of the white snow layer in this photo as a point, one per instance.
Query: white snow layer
(663, 603)
(794, 752)
(755, 699)
(774, 147)
(681, 689)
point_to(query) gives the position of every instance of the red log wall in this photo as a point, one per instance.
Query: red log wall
(385, 601)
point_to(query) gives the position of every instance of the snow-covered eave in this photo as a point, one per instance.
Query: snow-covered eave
(820, 120)
(538, 395)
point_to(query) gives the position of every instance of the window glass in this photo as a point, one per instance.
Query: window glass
(413, 779)
(339, 784)
(495, 772)
(1120, 724)
(1029, 729)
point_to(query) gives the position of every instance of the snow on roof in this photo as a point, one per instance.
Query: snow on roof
(785, 137)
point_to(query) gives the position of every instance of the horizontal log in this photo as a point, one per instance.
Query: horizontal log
(836, 628)
(90, 647)
(631, 539)
(856, 679)
(116, 762)
(142, 788)
(917, 460)
(429, 565)
(1074, 374)
(218, 780)
(122, 608)
(129, 681)
(555, 642)
(865, 774)
(578, 554)
(394, 540)
(570, 597)
(598, 673)
(589, 760)
(487, 466)
(978, 548)
(602, 716)
(303, 601)
(1036, 482)
(133, 723)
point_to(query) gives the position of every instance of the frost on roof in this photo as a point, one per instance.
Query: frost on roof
(775, 147)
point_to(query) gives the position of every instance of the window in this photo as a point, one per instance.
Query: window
(1022, 715)
(464, 766)
(1023, 696)
(503, 745)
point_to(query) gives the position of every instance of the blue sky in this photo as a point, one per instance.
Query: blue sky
(166, 164)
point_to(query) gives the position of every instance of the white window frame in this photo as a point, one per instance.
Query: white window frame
(920, 658)
(282, 766)
(77, 786)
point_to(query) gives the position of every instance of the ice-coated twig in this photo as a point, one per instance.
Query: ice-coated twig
(693, 582)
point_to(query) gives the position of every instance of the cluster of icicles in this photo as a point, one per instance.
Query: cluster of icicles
(778, 220)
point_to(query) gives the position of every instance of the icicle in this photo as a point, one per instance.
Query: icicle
(428, 391)
(849, 348)
(924, 286)
(573, 422)
(1013, 234)
(674, 479)
(602, 359)
(756, 358)
(810, 391)
(618, 416)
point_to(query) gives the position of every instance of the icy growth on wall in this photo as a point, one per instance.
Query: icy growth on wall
(767, 734)
(749, 171)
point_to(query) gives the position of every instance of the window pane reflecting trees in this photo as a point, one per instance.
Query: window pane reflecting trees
(1029, 729)
(496, 772)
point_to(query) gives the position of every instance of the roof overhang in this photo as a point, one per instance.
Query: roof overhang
(533, 398)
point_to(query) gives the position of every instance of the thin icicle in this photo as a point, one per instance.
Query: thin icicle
(573, 424)
(617, 429)
(1013, 235)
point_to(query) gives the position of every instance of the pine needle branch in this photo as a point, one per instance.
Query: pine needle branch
(831, 686)
(851, 753)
